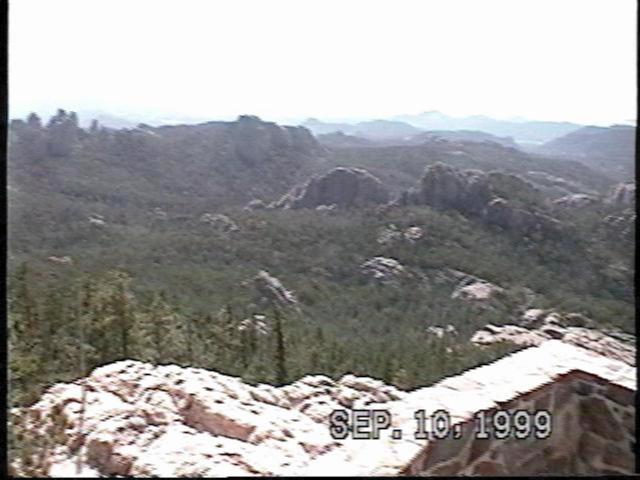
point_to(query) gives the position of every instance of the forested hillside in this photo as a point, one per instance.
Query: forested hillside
(137, 244)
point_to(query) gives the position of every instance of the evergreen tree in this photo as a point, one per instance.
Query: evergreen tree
(281, 375)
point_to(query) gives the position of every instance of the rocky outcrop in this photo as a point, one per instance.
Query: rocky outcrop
(144, 420)
(477, 291)
(445, 187)
(391, 235)
(621, 226)
(343, 187)
(469, 287)
(66, 260)
(255, 204)
(272, 290)
(472, 192)
(537, 326)
(96, 220)
(576, 200)
(220, 223)
(159, 214)
(256, 141)
(622, 194)
(547, 180)
(501, 213)
(383, 269)
(440, 332)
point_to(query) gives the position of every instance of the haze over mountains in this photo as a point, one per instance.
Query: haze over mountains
(526, 134)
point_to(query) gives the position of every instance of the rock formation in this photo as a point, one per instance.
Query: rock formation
(576, 200)
(344, 187)
(440, 332)
(537, 326)
(255, 204)
(383, 269)
(471, 192)
(622, 194)
(445, 187)
(96, 220)
(256, 141)
(621, 225)
(221, 223)
(499, 212)
(391, 234)
(144, 420)
(477, 291)
(159, 214)
(272, 290)
(66, 260)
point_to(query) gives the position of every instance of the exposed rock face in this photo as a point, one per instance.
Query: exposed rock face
(255, 204)
(576, 200)
(476, 291)
(499, 212)
(66, 260)
(96, 220)
(413, 234)
(548, 180)
(159, 214)
(446, 187)
(622, 194)
(471, 193)
(221, 223)
(391, 234)
(146, 420)
(383, 269)
(272, 289)
(344, 187)
(255, 324)
(537, 326)
(621, 226)
(440, 332)
(256, 141)
(470, 287)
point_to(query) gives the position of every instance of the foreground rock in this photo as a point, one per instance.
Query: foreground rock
(537, 326)
(343, 187)
(146, 420)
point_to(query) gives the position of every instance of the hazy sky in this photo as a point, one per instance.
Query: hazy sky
(541, 59)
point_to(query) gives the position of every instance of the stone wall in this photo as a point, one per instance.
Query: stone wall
(593, 433)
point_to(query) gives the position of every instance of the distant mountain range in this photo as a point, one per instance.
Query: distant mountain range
(373, 129)
(522, 131)
(526, 133)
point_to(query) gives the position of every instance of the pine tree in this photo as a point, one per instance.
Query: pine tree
(281, 375)
(122, 311)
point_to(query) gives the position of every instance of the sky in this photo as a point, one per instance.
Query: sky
(572, 60)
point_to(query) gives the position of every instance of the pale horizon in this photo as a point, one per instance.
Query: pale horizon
(282, 60)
